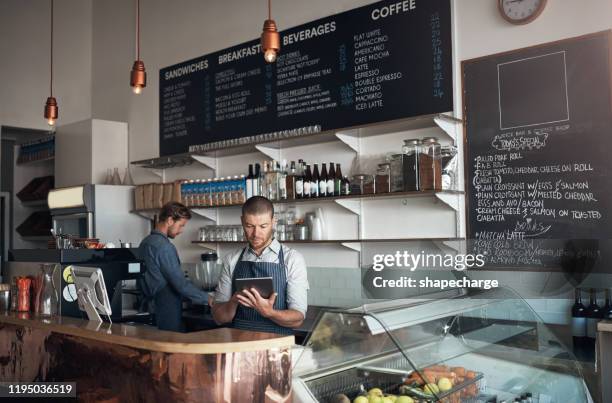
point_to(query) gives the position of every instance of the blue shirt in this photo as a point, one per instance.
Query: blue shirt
(164, 268)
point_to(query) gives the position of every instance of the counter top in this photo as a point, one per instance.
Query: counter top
(605, 326)
(222, 340)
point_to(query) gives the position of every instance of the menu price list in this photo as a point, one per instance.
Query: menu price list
(366, 65)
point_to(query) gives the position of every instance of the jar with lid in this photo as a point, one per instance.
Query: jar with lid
(430, 164)
(362, 184)
(382, 182)
(410, 165)
(449, 167)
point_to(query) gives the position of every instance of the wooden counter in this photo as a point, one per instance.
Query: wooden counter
(121, 362)
(222, 340)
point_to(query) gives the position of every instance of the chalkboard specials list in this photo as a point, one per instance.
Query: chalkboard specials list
(385, 61)
(538, 158)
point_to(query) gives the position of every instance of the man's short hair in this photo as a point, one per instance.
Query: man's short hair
(174, 210)
(258, 205)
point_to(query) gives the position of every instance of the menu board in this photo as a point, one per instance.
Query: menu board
(538, 158)
(384, 61)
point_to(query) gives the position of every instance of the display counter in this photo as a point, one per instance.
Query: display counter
(482, 347)
(120, 362)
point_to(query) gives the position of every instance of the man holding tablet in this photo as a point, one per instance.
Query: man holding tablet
(262, 259)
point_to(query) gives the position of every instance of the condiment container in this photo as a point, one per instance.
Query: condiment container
(430, 165)
(362, 184)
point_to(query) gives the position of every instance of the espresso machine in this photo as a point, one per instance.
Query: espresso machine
(121, 268)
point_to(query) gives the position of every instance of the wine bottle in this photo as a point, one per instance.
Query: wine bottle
(593, 314)
(338, 181)
(323, 181)
(346, 186)
(282, 181)
(249, 182)
(299, 181)
(314, 182)
(307, 182)
(257, 181)
(607, 310)
(578, 324)
(331, 177)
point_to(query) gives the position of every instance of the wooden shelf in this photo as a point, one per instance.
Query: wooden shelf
(381, 196)
(338, 241)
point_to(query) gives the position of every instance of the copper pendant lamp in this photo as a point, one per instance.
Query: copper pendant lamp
(51, 109)
(270, 39)
(138, 75)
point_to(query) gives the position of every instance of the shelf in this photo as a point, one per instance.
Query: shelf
(337, 241)
(272, 148)
(448, 196)
(35, 203)
(37, 238)
(36, 161)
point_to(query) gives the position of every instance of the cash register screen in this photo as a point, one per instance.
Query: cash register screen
(91, 292)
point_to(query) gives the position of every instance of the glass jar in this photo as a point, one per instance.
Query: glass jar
(449, 167)
(383, 178)
(430, 164)
(362, 184)
(410, 165)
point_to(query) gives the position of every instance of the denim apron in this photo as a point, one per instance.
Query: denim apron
(248, 318)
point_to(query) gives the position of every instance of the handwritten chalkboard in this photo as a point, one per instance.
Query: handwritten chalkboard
(381, 62)
(538, 149)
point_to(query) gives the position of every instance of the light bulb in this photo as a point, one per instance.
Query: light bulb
(51, 122)
(270, 55)
(137, 89)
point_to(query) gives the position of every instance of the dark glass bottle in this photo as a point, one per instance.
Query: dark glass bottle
(249, 182)
(593, 314)
(290, 182)
(323, 181)
(307, 182)
(578, 325)
(346, 186)
(607, 310)
(299, 180)
(338, 181)
(331, 177)
(257, 181)
(314, 182)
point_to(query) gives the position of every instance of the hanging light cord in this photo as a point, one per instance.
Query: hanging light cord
(269, 9)
(137, 29)
(51, 80)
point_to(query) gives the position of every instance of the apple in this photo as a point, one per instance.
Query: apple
(375, 399)
(445, 384)
(375, 392)
(361, 399)
(404, 399)
(431, 388)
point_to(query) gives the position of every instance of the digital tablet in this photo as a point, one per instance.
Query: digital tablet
(263, 285)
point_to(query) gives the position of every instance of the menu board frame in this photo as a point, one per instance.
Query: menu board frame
(338, 63)
(601, 230)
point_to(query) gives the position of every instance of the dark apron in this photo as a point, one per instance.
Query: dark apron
(169, 310)
(248, 318)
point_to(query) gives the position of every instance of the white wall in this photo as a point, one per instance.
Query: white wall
(24, 61)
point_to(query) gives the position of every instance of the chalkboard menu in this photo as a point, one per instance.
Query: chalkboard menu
(384, 61)
(538, 150)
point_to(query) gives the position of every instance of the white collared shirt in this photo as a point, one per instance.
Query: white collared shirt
(295, 265)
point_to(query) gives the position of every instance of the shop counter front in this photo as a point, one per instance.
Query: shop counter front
(121, 362)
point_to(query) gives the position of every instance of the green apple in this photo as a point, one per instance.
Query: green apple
(361, 399)
(431, 388)
(392, 397)
(375, 399)
(445, 384)
(404, 399)
(387, 399)
(375, 392)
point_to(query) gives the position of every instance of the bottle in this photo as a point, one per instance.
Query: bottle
(116, 179)
(593, 314)
(338, 181)
(256, 184)
(272, 181)
(299, 180)
(314, 182)
(346, 186)
(282, 181)
(249, 182)
(323, 181)
(307, 182)
(290, 182)
(578, 324)
(607, 310)
(331, 178)
(263, 184)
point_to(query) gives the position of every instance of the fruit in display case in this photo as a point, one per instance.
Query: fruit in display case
(361, 399)
(340, 398)
(444, 384)
(375, 392)
(431, 389)
(404, 399)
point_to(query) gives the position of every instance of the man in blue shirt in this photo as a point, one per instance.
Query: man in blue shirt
(164, 281)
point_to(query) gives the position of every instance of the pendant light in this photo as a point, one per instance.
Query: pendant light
(270, 39)
(51, 109)
(138, 75)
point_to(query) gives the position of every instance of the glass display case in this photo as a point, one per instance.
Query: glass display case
(482, 347)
